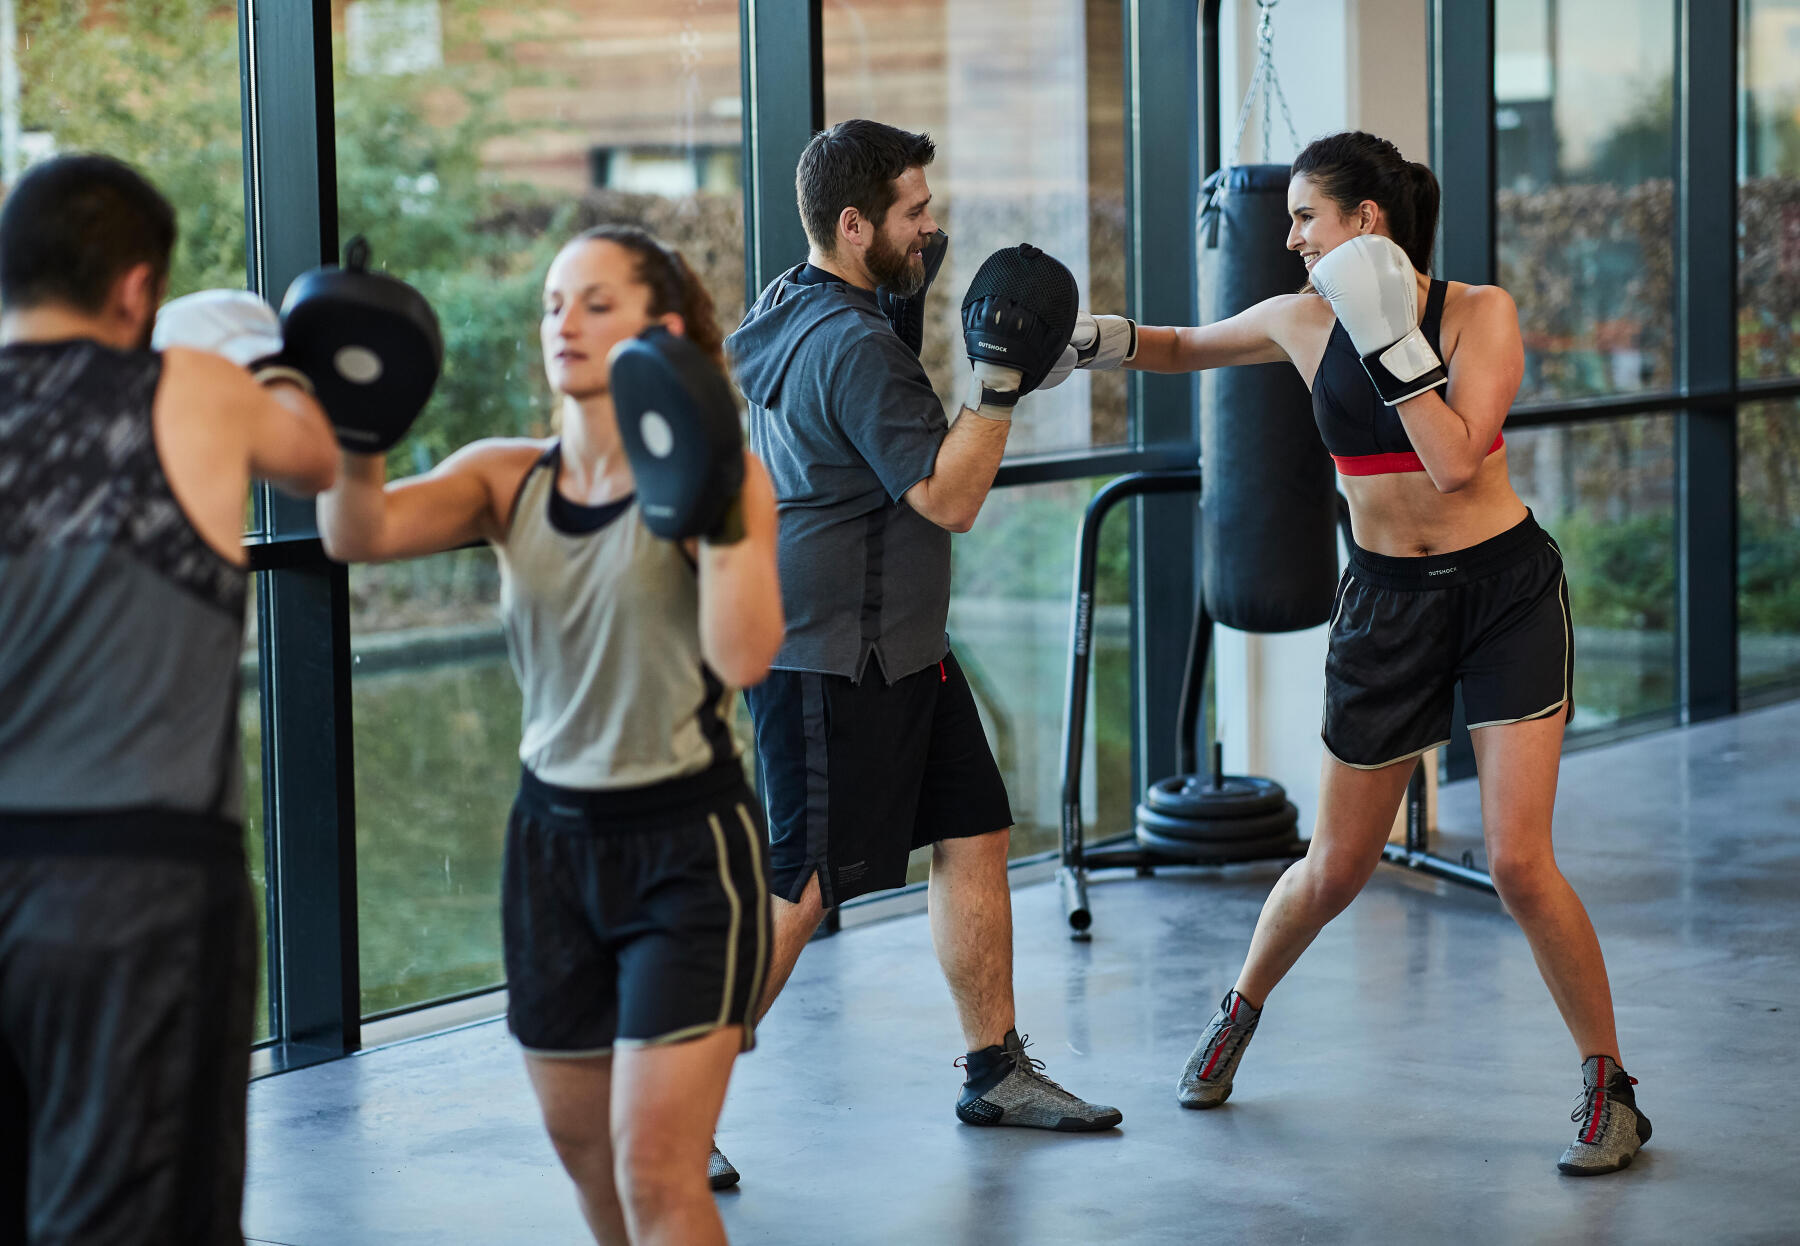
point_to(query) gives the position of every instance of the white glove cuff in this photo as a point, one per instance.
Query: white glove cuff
(275, 374)
(990, 403)
(1410, 358)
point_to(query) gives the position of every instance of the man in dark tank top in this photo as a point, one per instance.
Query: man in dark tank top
(127, 938)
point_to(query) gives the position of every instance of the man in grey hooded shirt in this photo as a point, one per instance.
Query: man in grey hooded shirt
(869, 743)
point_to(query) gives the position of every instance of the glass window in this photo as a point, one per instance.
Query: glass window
(1030, 148)
(1768, 548)
(470, 144)
(153, 82)
(1769, 191)
(256, 841)
(1585, 152)
(1605, 492)
(1009, 627)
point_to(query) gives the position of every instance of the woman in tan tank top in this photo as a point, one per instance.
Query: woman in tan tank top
(635, 909)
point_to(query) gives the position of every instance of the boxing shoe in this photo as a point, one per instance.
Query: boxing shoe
(1004, 1086)
(1611, 1128)
(1206, 1081)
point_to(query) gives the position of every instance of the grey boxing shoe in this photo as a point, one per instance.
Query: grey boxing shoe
(1007, 1087)
(1206, 1081)
(1611, 1128)
(719, 1172)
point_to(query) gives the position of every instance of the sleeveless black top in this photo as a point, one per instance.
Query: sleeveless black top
(120, 628)
(1361, 432)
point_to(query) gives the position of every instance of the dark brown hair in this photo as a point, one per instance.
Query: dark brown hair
(74, 225)
(853, 165)
(673, 285)
(1353, 166)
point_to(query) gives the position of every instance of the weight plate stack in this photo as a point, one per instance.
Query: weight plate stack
(1213, 819)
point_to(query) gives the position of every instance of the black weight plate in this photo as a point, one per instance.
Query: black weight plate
(1214, 830)
(1275, 846)
(1193, 796)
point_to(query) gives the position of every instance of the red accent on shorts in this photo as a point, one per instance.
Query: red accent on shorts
(943, 675)
(1593, 1130)
(1388, 464)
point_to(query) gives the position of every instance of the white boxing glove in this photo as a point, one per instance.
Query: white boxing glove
(1098, 343)
(234, 323)
(1374, 291)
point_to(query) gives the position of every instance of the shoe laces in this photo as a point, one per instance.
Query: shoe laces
(1028, 1065)
(1584, 1102)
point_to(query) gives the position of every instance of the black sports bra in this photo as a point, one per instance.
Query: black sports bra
(1362, 433)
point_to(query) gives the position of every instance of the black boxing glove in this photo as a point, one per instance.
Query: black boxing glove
(680, 429)
(907, 312)
(1017, 317)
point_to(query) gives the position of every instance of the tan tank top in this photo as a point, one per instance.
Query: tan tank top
(603, 628)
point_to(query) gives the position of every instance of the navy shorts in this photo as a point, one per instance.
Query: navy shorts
(634, 917)
(1406, 631)
(857, 775)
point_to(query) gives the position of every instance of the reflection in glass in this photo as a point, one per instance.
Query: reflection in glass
(1768, 548)
(1584, 129)
(1605, 492)
(471, 143)
(256, 843)
(1009, 625)
(1769, 192)
(436, 714)
(1025, 100)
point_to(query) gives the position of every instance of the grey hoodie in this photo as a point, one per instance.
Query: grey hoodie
(846, 421)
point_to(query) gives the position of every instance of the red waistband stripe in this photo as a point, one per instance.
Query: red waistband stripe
(1389, 463)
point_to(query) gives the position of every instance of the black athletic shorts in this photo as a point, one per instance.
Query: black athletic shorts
(857, 775)
(634, 917)
(1405, 631)
(126, 989)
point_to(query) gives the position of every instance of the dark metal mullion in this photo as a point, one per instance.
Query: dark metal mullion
(1162, 186)
(1462, 140)
(303, 608)
(1462, 136)
(1706, 302)
(783, 53)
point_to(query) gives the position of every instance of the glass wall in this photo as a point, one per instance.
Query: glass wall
(1025, 99)
(1605, 492)
(471, 142)
(1584, 158)
(1769, 549)
(1769, 191)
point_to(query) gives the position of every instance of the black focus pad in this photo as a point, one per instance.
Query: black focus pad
(1020, 311)
(907, 313)
(369, 343)
(680, 429)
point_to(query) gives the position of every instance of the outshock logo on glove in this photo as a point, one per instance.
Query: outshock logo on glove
(1019, 312)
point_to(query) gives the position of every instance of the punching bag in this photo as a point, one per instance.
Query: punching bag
(1268, 504)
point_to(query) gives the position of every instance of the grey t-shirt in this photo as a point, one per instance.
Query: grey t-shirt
(846, 421)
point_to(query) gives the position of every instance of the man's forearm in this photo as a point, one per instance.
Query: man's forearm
(967, 462)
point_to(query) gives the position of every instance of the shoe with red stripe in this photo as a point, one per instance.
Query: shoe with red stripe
(1206, 1081)
(1611, 1129)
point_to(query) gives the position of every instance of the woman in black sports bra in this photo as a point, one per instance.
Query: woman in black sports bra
(1450, 581)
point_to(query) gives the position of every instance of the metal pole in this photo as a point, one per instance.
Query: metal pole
(10, 157)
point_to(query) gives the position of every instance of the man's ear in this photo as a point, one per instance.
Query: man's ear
(853, 227)
(673, 322)
(138, 291)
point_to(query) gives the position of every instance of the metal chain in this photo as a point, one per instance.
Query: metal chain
(1266, 81)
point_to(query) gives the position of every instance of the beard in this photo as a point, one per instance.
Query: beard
(895, 270)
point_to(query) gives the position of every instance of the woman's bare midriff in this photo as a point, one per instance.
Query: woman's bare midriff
(1404, 516)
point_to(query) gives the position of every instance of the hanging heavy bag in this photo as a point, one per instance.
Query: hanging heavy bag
(1268, 509)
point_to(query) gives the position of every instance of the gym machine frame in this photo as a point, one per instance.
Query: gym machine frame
(1076, 858)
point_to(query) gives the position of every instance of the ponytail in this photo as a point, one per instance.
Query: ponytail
(674, 286)
(1354, 167)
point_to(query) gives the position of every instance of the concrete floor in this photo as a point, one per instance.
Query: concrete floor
(1410, 1082)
